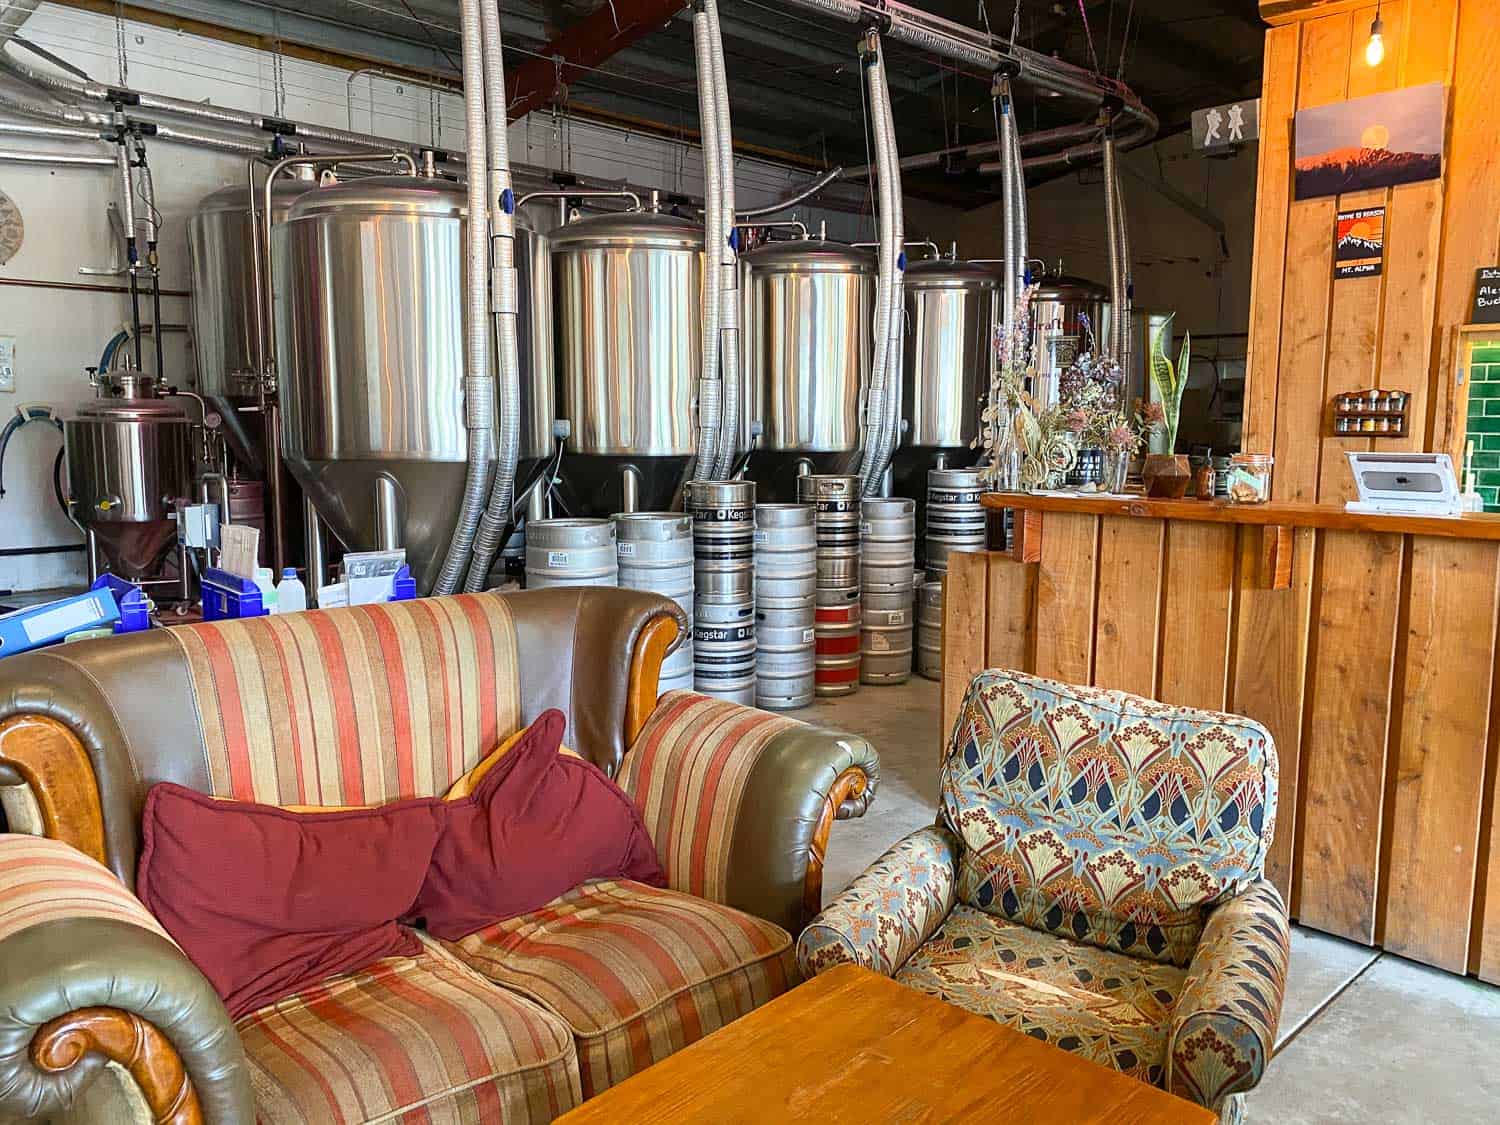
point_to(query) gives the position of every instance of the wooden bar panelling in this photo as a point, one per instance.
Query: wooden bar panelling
(1300, 396)
(1357, 592)
(1273, 192)
(1434, 819)
(1355, 310)
(965, 589)
(1128, 618)
(1270, 671)
(1010, 641)
(1414, 227)
(1471, 201)
(1309, 336)
(1065, 598)
(1199, 577)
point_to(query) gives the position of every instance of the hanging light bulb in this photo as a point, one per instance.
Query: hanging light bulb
(1375, 48)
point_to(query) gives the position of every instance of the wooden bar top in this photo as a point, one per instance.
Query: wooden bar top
(1474, 525)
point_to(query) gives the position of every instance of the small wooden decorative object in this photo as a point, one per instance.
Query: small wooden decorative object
(1371, 413)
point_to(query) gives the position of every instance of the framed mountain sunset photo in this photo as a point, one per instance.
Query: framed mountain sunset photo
(1384, 139)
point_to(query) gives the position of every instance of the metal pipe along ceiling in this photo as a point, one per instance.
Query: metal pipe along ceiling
(987, 53)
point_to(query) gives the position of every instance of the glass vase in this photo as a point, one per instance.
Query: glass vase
(1116, 469)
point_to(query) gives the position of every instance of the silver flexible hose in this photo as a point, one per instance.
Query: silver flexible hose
(1021, 235)
(1008, 208)
(1116, 267)
(1122, 357)
(479, 387)
(894, 348)
(796, 197)
(490, 536)
(710, 393)
(890, 235)
(729, 270)
(48, 111)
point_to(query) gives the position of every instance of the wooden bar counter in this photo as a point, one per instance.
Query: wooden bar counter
(1365, 644)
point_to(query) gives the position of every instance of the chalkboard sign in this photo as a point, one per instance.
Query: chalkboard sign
(1486, 308)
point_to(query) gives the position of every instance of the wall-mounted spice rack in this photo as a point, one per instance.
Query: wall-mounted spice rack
(1370, 413)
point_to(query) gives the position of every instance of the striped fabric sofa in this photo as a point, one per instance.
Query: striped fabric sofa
(103, 1018)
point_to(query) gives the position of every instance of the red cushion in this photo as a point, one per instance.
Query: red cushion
(267, 902)
(537, 825)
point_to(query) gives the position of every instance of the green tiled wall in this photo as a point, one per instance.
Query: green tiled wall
(1483, 427)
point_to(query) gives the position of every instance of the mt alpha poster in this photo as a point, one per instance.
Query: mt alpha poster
(1358, 242)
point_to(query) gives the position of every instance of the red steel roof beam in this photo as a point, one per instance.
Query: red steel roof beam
(615, 25)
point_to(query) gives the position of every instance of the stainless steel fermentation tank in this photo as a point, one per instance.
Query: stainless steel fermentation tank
(230, 340)
(131, 461)
(368, 289)
(627, 314)
(952, 314)
(1069, 316)
(807, 316)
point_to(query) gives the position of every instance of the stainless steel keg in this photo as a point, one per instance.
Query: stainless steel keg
(955, 519)
(655, 552)
(723, 539)
(885, 636)
(786, 564)
(570, 552)
(723, 514)
(930, 630)
(785, 584)
(835, 499)
(888, 543)
(838, 657)
(724, 650)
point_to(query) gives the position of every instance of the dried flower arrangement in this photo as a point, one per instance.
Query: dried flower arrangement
(1089, 391)
(1013, 421)
(1128, 432)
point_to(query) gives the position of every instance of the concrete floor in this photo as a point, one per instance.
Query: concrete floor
(1364, 1037)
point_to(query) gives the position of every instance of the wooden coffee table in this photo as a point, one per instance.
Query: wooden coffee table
(853, 1046)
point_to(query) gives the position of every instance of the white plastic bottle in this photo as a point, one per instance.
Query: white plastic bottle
(266, 584)
(291, 595)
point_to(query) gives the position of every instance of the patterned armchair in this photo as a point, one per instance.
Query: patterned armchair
(1094, 880)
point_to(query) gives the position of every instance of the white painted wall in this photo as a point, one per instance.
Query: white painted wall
(58, 333)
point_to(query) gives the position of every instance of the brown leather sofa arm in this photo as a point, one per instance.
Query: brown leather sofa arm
(1224, 1026)
(86, 979)
(740, 802)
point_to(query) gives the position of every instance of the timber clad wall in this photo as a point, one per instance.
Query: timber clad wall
(1374, 671)
(1312, 337)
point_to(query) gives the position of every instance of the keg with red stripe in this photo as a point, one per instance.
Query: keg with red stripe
(837, 641)
(835, 501)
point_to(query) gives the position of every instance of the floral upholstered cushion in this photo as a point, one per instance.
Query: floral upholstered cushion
(1104, 817)
(1112, 1009)
(888, 911)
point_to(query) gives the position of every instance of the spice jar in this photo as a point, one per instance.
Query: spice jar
(1250, 478)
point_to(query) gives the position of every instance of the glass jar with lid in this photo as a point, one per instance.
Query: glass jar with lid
(1250, 478)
